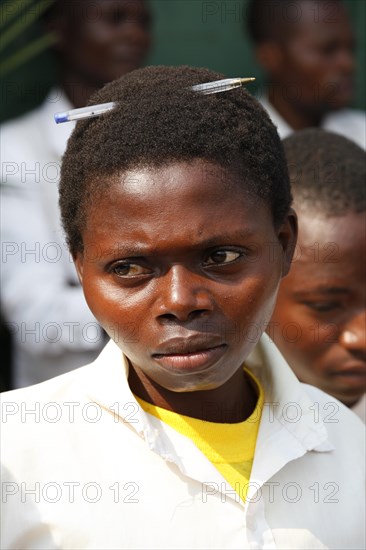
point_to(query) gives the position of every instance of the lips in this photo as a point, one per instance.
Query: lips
(341, 86)
(127, 58)
(196, 353)
(352, 375)
(129, 53)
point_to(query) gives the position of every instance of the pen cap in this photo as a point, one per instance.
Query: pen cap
(61, 117)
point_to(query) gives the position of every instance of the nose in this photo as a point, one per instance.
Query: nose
(134, 32)
(184, 296)
(346, 60)
(353, 335)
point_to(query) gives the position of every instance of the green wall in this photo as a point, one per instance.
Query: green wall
(194, 32)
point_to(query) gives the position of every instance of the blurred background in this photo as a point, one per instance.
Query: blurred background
(193, 32)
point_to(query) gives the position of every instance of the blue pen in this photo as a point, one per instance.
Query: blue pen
(84, 112)
(206, 88)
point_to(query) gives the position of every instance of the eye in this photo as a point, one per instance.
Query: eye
(127, 270)
(322, 306)
(118, 16)
(222, 257)
(114, 16)
(330, 48)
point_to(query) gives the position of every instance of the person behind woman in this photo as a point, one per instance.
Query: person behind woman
(306, 48)
(43, 305)
(319, 322)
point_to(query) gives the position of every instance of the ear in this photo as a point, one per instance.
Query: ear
(270, 56)
(287, 236)
(78, 258)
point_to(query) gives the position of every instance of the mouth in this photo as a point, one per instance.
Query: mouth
(188, 357)
(352, 376)
(343, 87)
(128, 55)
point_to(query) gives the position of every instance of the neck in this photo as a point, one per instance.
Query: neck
(350, 403)
(296, 118)
(232, 402)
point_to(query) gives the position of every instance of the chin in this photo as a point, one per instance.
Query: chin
(194, 386)
(347, 396)
(339, 102)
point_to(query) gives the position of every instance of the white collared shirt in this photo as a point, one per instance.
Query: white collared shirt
(360, 408)
(53, 328)
(350, 123)
(86, 468)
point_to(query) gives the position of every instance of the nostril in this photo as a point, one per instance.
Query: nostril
(359, 354)
(169, 318)
(197, 313)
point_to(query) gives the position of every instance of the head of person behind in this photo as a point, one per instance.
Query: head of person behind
(97, 42)
(306, 48)
(168, 203)
(319, 322)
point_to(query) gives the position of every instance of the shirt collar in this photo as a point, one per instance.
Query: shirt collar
(288, 429)
(108, 387)
(291, 405)
(283, 128)
(56, 134)
(291, 424)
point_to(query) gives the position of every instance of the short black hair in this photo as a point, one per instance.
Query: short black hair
(56, 9)
(271, 20)
(160, 120)
(327, 172)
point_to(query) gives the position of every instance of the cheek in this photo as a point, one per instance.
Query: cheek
(99, 301)
(93, 45)
(103, 300)
(256, 301)
(324, 334)
(302, 334)
(310, 69)
(123, 316)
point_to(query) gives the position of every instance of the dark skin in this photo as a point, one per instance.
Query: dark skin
(310, 66)
(184, 298)
(232, 402)
(324, 295)
(99, 41)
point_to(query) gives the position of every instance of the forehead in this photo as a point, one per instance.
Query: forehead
(311, 17)
(92, 9)
(188, 200)
(187, 177)
(331, 247)
(347, 230)
(185, 181)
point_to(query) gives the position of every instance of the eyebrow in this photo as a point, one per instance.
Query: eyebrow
(222, 239)
(329, 291)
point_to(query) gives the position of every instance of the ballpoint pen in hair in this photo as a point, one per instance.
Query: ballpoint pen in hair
(206, 88)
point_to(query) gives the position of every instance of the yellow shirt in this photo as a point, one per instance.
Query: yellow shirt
(230, 447)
